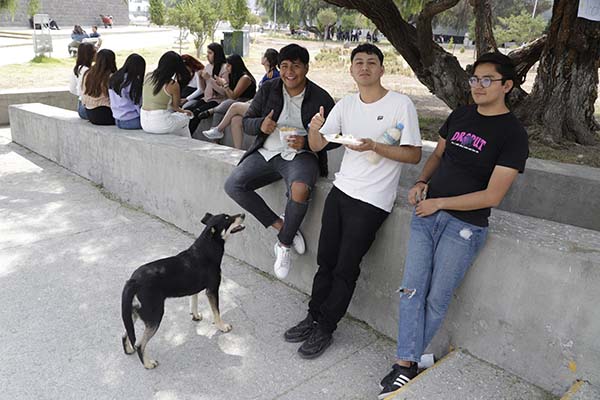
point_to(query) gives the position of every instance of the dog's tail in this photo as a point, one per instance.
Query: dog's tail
(129, 291)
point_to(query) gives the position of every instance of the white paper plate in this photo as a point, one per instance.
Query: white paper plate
(342, 140)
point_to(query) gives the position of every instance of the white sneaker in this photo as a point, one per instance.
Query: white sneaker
(213, 133)
(283, 262)
(298, 243)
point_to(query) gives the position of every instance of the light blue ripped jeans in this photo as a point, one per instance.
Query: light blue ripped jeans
(441, 249)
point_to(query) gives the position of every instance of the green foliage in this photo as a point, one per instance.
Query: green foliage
(236, 12)
(326, 17)
(519, 28)
(45, 60)
(157, 12)
(348, 21)
(365, 23)
(7, 4)
(199, 17)
(33, 7)
(254, 19)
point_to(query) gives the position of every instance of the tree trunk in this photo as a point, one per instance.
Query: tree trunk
(561, 104)
(484, 33)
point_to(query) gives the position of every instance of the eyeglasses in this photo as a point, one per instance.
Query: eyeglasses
(485, 82)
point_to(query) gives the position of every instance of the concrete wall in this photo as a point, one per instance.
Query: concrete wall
(529, 304)
(58, 97)
(70, 12)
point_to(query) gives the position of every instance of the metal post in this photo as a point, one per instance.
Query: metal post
(274, 15)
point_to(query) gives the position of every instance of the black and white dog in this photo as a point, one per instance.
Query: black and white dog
(185, 274)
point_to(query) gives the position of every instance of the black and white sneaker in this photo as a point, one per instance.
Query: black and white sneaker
(396, 379)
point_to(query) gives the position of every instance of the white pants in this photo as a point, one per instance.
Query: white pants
(164, 122)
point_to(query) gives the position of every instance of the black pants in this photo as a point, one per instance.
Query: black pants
(348, 228)
(100, 116)
(200, 107)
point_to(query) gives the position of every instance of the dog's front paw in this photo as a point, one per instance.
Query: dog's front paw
(223, 327)
(151, 364)
(196, 317)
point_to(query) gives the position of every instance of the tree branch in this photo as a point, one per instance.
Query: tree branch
(525, 57)
(424, 28)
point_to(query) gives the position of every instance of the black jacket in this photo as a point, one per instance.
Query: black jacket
(270, 97)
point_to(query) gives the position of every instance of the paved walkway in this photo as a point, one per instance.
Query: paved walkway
(65, 251)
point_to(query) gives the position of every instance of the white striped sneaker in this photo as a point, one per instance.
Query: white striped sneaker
(396, 379)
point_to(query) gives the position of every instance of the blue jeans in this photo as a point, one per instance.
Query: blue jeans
(81, 110)
(129, 123)
(255, 172)
(441, 249)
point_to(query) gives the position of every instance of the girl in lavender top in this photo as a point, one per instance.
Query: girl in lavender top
(125, 91)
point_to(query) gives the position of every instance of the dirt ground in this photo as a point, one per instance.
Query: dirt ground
(337, 81)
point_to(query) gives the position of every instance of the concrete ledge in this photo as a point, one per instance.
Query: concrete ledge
(529, 304)
(564, 193)
(58, 97)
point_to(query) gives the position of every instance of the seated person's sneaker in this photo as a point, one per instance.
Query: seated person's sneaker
(298, 243)
(316, 344)
(283, 261)
(396, 379)
(213, 133)
(301, 331)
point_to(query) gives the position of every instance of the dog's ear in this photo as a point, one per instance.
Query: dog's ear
(206, 218)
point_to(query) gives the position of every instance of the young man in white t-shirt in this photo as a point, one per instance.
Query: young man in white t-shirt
(363, 193)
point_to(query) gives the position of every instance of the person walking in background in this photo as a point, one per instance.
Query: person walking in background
(95, 88)
(125, 92)
(161, 113)
(481, 149)
(85, 57)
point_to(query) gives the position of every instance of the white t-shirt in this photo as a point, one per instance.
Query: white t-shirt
(376, 184)
(291, 117)
(76, 81)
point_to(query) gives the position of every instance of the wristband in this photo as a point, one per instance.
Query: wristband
(420, 181)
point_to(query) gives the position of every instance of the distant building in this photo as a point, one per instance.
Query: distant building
(70, 12)
(139, 7)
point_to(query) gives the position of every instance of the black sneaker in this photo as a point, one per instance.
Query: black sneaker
(389, 378)
(396, 379)
(316, 344)
(301, 331)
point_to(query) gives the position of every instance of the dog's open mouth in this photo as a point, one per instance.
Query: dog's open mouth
(238, 228)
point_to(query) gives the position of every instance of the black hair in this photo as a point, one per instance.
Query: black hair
(369, 49)
(238, 69)
(85, 56)
(293, 52)
(132, 72)
(272, 56)
(97, 77)
(504, 65)
(219, 58)
(170, 64)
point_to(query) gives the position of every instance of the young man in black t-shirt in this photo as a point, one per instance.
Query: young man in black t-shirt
(481, 149)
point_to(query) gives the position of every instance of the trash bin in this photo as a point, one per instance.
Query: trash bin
(237, 42)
